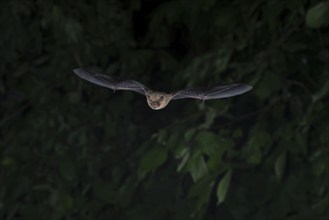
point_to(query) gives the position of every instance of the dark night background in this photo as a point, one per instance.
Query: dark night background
(72, 150)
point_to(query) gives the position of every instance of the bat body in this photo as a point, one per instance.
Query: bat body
(158, 100)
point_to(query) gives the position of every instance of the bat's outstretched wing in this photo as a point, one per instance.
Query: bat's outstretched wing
(110, 82)
(217, 92)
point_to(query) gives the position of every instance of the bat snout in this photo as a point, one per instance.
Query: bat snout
(155, 105)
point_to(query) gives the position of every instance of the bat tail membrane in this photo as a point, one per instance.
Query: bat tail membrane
(227, 91)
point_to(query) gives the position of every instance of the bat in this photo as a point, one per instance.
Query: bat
(158, 100)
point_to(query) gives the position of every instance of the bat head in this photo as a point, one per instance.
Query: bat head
(157, 100)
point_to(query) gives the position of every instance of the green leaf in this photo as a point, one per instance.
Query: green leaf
(202, 191)
(261, 139)
(215, 159)
(259, 142)
(7, 161)
(197, 166)
(207, 142)
(238, 133)
(67, 201)
(280, 165)
(153, 159)
(318, 15)
(184, 161)
(223, 187)
(210, 117)
(189, 134)
(255, 157)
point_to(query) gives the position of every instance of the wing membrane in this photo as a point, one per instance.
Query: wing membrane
(110, 82)
(217, 92)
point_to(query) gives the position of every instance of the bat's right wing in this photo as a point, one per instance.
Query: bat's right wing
(217, 92)
(110, 82)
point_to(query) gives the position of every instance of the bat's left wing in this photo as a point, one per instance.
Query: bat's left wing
(217, 92)
(110, 82)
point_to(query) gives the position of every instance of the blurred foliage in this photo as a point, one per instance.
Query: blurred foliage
(72, 150)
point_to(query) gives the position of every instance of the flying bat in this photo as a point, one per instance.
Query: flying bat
(158, 100)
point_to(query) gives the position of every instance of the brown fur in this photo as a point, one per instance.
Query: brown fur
(157, 100)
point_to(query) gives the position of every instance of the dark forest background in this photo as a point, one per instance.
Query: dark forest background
(72, 150)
